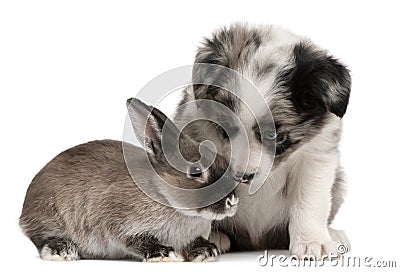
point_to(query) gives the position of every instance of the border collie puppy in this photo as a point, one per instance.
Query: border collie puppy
(306, 90)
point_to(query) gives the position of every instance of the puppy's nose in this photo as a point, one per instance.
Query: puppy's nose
(243, 177)
(238, 175)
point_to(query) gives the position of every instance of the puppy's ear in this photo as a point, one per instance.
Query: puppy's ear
(318, 82)
(149, 125)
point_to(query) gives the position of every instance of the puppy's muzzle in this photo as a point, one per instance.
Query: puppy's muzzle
(243, 177)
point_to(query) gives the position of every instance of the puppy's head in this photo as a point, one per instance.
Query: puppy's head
(306, 89)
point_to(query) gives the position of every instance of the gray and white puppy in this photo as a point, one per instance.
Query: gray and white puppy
(307, 91)
(84, 203)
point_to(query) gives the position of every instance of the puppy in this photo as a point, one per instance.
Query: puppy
(306, 91)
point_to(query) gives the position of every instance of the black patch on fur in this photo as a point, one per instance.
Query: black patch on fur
(147, 246)
(199, 247)
(58, 245)
(317, 83)
(284, 142)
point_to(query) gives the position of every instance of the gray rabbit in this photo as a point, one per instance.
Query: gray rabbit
(85, 204)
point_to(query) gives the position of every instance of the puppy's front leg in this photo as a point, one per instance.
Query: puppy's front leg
(310, 191)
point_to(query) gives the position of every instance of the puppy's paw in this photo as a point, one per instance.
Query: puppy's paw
(340, 237)
(162, 254)
(221, 240)
(316, 250)
(206, 253)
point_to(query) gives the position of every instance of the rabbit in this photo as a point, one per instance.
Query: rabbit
(84, 203)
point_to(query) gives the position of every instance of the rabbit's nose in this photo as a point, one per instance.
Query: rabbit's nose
(231, 202)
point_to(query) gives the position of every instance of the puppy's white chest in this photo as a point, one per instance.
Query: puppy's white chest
(260, 212)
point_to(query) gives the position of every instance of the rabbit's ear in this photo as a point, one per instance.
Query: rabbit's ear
(150, 126)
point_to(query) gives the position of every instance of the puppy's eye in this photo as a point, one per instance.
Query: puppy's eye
(195, 172)
(271, 135)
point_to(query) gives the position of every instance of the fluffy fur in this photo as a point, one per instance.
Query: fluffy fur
(307, 91)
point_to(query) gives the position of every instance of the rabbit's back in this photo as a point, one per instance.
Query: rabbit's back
(86, 194)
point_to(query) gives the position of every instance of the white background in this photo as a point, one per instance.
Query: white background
(67, 68)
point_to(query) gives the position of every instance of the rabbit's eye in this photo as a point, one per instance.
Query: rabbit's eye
(195, 172)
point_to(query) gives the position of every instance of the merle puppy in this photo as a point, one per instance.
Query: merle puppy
(307, 91)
